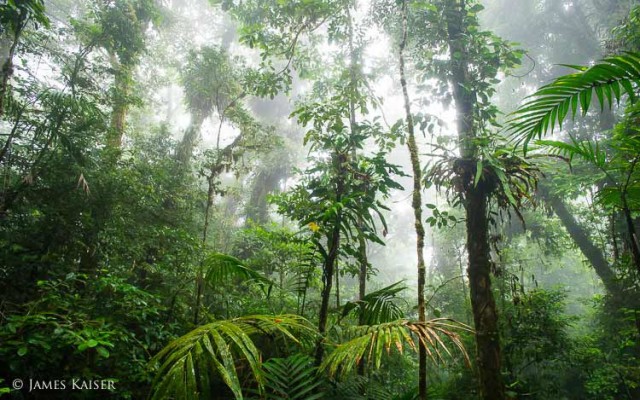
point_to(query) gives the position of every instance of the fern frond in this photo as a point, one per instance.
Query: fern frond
(551, 104)
(293, 378)
(372, 342)
(186, 365)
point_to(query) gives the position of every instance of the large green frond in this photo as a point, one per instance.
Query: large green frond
(223, 268)
(551, 104)
(186, 365)
(588, 150)
(372, 342)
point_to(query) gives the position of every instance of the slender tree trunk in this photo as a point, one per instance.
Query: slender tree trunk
(7, 66)
(205, 233)
(122, 84)
(327, 274)
(631, 227)
(464, 286)
(184, 150)
(353, 125)
(485, 314)
(614, 237)
(581, 238)
(416, 203)
(333, 247)
(337, 267)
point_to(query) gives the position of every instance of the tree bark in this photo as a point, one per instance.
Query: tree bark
(631, 228)
(485, 316)
(327, 275)
(7, 67)
(184, 150)
(416, 203)
(333, 246)
(483, 305)
(122, 85)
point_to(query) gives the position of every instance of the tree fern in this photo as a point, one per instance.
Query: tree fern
(187, 365)
(372, 342)
(550, 105)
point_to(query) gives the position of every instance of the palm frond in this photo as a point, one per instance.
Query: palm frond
(586, 149)
(224, 268)
(372, 342)
(187, 365)
(379, 306)
(551, 104)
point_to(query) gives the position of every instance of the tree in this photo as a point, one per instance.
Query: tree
(14, 19)
(338, 191)
(476, 208)
(119, 27)
(416, 203)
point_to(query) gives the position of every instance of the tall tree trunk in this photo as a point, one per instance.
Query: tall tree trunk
(184, 150)
(581, 238)
(485, 314)
(353, 126)
(327, 275)
(416, 203)
(333, 247)
(122, 85)
(337, 268)
(7, 67)
(205, 234)
(631, 228)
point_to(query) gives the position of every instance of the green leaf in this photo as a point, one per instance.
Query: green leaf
(478, 173)
(372, 342)
(219, 346)
(22, 351)
(103, 352)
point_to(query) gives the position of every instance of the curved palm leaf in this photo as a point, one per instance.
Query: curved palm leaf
(374, 341)
(589, 151)
(223, 267)
(550, 105)
(187, 365)
(379, 306)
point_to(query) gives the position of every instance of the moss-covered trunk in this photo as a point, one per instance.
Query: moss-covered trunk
(416, 203)
(6, 70)
(483, 305)
(485, 316)
(122, 89)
